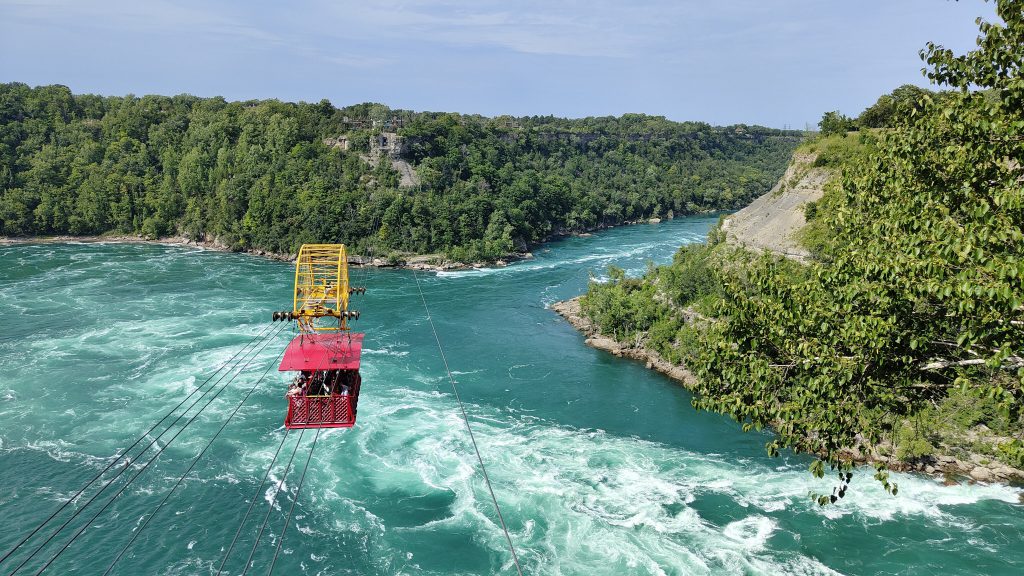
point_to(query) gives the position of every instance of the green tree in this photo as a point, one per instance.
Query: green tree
(920, 288)
(883, 113)
(244, 172)
(835, 123)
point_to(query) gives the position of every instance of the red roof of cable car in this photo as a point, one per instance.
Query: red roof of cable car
(323, 351)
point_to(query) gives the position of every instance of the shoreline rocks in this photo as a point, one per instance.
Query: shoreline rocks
(423, 262)
(971, 468)
(572, 312)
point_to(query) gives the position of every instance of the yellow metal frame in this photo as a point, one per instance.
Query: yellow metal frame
(321, 287)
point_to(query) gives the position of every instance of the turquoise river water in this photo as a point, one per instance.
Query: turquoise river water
(600, 466)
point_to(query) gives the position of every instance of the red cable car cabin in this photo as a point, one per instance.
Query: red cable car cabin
(326, 391)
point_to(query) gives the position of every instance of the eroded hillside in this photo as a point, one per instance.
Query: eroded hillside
(772, 221)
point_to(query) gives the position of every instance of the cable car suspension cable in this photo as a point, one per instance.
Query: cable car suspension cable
(120, 455)
(270, 505)
(252, 502)
(145, 466)
(295, 499)
(190, 467)
(465, 418)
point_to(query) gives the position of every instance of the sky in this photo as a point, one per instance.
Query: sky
(779, 63)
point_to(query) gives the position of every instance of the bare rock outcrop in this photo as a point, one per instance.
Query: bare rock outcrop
(772, 221)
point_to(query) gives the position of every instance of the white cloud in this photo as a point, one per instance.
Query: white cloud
(534, 27)
(191, 24)
(149, 16)
(595, 28)
(595, 56)
(366, 33)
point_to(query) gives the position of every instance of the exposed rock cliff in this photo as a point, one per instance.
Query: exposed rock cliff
(772, 221)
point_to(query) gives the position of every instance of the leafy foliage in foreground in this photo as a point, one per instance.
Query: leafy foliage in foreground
(917, 299)
(258, 174)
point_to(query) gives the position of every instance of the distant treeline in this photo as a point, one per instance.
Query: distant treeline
(257, 174)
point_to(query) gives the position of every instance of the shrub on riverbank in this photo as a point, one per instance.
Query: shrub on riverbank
(912, 316)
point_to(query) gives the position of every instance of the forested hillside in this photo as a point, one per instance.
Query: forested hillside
(904, 334)
(258, 175)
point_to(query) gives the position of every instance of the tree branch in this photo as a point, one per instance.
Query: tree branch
(939, 364)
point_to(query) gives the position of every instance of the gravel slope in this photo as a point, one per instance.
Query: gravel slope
(771, 221)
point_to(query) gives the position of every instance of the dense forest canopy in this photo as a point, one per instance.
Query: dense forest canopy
(910, 319)
(258, 174)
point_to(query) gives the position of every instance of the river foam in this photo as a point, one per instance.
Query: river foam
(600, 466)
(584, 501)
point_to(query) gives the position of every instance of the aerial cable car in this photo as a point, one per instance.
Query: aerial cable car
(326, 353)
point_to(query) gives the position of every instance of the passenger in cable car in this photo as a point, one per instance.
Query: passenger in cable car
(341, 385)
(302, 381)
(321, 384)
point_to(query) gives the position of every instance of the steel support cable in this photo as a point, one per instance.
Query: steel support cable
(252, 503)
(190, 467)
(295, 499)
(121, 454)
(270, 506)
(146, 465)
(128, 483)
(137, 456)
(469, 428)
(374, 228)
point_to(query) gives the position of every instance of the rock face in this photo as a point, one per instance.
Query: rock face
(982, 474)
(964, 467)
(771, 221)
(408, 176)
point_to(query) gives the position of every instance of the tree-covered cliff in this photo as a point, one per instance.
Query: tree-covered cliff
(258, 174)
(909, 321)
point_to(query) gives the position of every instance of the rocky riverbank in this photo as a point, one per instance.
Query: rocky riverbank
(570, 310)
(954, 466)
(426, 262)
